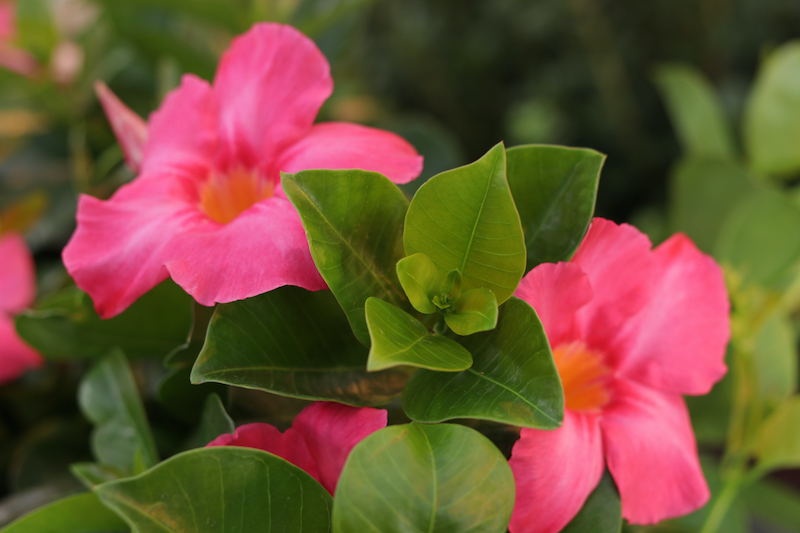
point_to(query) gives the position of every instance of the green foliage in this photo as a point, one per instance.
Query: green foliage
(81, 513)
(513, 378)
(354, 222)
(67, 327)
(554, 188)
(420, 280)
(775, 359)
(213, 423)
(472, 312)
(465, 220)
(778, 442)
(696, 112)
(109, 398)
(441, 479)
(602, 512)
(297, 343)
(221, 489)
(400, 339)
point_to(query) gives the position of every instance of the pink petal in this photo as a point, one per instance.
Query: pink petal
(289, 445)
(556, 291)
(332, 430)
(8, 20)
(652, 455)
(129, 128)
(677, 342)
(116, 252)
(555, 471)
(15, 356)
(183, 132)
(18, 60)
(617, 260)
(263, 248)
(17, 274)
(339, 145)
(270, 85)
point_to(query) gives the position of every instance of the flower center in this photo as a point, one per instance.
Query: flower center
(225, 196)
(585, 378)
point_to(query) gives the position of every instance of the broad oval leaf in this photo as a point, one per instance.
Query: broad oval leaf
(474, 311)
(354, 222)
(223, 488)
(602, 512)
(420, 280)
(695, 111)
(81, 513)
(400, 339)
(294, 343)
(775, 359)
(465, 219)
(554, 188)
(67, 326)
(772, 114)
(777, 444)
(413, 478)
(109, 398)
(513, 378)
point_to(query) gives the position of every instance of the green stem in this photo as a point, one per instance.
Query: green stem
(721, 506)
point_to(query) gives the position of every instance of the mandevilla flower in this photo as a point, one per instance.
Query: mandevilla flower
(632, 329)
(319, 441)
(207, 207)
(17, 291)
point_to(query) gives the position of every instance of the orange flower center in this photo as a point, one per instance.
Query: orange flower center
(585, 378)
(225, 196)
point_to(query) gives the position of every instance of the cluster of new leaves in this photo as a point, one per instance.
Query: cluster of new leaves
(420, 308)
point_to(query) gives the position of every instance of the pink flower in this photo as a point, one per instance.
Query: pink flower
(319, 441)
(207, 208)
(12, 57)
(17, 291)
(632, 329)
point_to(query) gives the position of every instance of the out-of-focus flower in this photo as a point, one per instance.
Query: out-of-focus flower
(207, 208)
(129, 128)
(17, 291)
(632, 329)
(12, 57)
(319, 441)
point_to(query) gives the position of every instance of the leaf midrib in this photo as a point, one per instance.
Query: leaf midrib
(480, 213)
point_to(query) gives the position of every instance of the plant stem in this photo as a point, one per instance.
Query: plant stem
(721, 505)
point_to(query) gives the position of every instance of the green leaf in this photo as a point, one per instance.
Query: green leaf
(774, 503)
(474, 311)
(223, 488)
(443, 478)
(695, 111)
(354, 222)
(183, 399)
(294, 343)
(554, 188)
(465, 220)
(602, 512)
(81, 513)
(213, 423)
(91, 474)
(420, 280)
(702, 193)
(755, 240)
(67, 326)
(513, 378)
(772, 114)
(400, 339)
(777, 444)
(109, 398)
(775, 359)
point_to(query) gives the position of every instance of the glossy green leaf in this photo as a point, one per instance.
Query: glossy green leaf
(513, 378)
(695, 111)
(465, 220)
(702, 193)
(81, 513)
(772, 114)
(213, 423)
(109, 398)
(67, 327)
(755, 238)
(92, 474)
(778, 442)
(224, 488)
(420, 280)
(418, 478)
(400, 339)
(295, 343)
(474, 311)
(354, 223)
(554, 188)
(775, 359)
(602, 512)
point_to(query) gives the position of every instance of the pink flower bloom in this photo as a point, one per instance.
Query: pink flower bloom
(319, 441)
(207, 208)
(12, 57)
(632, 329)
(130, 128)
(17, 291)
